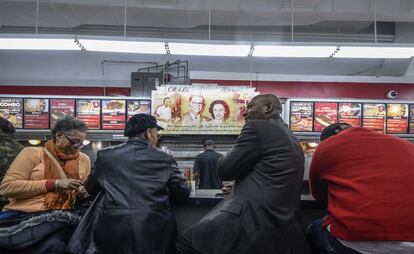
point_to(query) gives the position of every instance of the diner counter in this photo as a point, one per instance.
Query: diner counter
(201, 202)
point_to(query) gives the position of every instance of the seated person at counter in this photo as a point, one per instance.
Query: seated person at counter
(132, 183)
(47, 178)
(9, 149)
(204, 170)
(259, 214)
(366, 179)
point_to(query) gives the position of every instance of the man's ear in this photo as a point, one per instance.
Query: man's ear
(269, 108)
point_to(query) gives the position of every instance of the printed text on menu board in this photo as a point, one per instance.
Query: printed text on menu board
(113, 114)
(89, 112)
(138, 106)
(11, 109)
(36, 113)
(60, 108)
(325, 115)
(374, 116)
(397, 118)
(350, 113)
(301, 116)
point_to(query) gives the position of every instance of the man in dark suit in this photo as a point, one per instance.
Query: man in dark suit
(258, 216)
(204, 170)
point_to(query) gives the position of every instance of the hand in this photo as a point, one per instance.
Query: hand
(68, 184)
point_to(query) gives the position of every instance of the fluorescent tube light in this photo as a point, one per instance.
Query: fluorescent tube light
(208, 49)
(38, 44)
(124, 46)
(375, 52)
(293, 51)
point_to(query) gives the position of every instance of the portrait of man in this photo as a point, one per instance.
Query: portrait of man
(194, 116)
(164, 112)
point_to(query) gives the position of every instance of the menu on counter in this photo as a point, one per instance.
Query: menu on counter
(89, 111)
(301, 116)
(36, 113)
(397, 118)
(326, 113)
(113, 114)
(138, 106)
(350, 113)
(11, 109)
(60, 108)
(374, 116)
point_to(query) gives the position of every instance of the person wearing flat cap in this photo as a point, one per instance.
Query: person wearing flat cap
(204, 170)
(132, 184)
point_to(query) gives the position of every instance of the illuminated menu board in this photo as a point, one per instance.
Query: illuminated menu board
(60, 108)
(325, 115)
(138, 106)
(397, 118)
(411, 129)
(11, 109)
(350, 113)
(89, 111)
(374, 116)
(36, 113)
(113, 114)
(301, 116)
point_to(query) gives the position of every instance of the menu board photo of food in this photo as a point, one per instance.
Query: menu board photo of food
(301, 116)
(397, 118)
(89, 111)
(374, 116)
(326, 113)
(350, 113)
(60, 108)
(138, 106)
(113, 114)
(11, 109)
(36, 113)
(411, 129)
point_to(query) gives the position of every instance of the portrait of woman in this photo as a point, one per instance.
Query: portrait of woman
(220, 112)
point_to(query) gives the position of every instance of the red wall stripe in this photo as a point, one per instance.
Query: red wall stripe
(280, 88)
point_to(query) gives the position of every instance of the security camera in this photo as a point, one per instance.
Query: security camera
(392, 94)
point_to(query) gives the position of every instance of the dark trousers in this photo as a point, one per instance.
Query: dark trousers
(322, 242)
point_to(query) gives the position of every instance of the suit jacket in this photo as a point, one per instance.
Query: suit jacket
(258, 216)
(132, 213)
(188, 120)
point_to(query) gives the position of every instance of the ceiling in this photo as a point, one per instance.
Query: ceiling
(230, 20)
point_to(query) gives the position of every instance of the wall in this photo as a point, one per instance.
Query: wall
(286, 89)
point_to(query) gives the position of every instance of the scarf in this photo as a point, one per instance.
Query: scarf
(62, 199)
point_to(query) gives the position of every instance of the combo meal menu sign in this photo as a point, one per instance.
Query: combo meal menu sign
(393, 118)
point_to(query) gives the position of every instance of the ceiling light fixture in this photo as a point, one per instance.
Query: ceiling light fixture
(208, 49)
(37, 44)
(374, 52)
(293, 51)
(123, 46)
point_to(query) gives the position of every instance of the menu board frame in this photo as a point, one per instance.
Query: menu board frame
(13, 116)
(362, 102)
(124, 120)
(47, 126)
(388, 118)
(312, 114)
(72, 113)
(49, 99)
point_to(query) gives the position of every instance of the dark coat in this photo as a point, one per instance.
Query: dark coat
(258, 216)
(205, 165)
(132, 213)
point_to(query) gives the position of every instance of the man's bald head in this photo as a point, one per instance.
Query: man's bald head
(263, 106)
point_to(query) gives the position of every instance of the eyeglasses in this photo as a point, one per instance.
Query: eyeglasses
(156, 133)
(74, 142)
